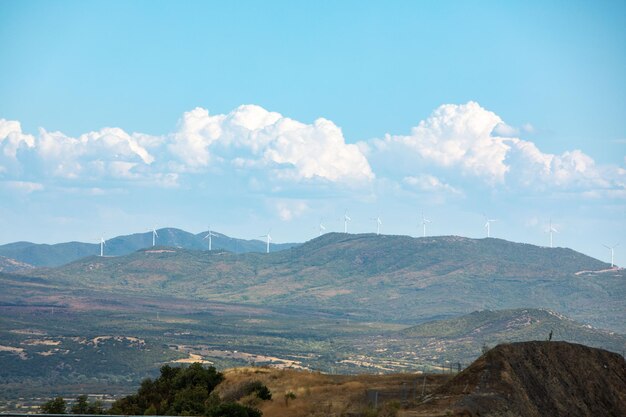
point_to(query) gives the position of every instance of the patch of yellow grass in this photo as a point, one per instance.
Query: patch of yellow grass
(319, 394)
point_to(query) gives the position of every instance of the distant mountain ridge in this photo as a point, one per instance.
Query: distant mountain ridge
(53, 255)
(13, 265)
(464, 336)
(373, 277)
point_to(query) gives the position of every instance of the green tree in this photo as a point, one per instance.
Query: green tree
(289, 396)
(55, 406)
(177, 391)
(81, 406)
(95, 408)
(263, 392)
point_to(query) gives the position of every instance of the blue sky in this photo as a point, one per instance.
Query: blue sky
(120, 116)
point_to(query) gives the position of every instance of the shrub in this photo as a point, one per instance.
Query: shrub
(55, 406)
(289, 395)
(238, 391)
(81, 406)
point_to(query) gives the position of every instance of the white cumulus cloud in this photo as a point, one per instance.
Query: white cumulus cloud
(251, 137)
(444, 153)
(470, 141)
(429, 183)
(457, 136)
(12, 138)
(107, 152)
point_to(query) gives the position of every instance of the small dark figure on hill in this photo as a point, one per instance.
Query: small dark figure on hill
(550, 336)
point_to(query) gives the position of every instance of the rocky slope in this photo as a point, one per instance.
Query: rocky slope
(534, 379)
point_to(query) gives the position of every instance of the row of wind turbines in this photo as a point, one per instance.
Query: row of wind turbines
(346, 219)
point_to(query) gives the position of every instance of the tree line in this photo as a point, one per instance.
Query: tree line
(178, 391)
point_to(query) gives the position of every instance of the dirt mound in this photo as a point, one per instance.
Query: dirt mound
(540, 379)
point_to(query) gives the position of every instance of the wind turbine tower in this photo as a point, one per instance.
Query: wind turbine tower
(488, 226)
(346, 219)
(209, 235)
(424, 222)
(102, 243)
(322, 228)
(378, 223)
(154, 236)
(551, 230)
(612, 249)
(268, 240)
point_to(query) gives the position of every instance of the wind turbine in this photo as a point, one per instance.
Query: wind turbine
(378, 223)
(612, 249)
(424, 222)
(269, 239)
(321, 228)
(209, 235)
(488, 225)
(551, 230)
(154, 236)
(102, 244)
(346, 219)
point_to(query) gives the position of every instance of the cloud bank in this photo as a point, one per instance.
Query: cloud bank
(455, 146)
(470, 143)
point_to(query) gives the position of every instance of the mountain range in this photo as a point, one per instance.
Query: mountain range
(338, 303)
(371, 277)
(45, 255)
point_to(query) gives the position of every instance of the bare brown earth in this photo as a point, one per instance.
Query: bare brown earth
(536, 379)
(527, 379)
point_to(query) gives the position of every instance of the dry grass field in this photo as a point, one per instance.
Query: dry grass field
(527, 379)
(319, 394)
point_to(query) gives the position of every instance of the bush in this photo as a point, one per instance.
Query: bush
(177, 391)
(187, 392)
(289, 396)
(81, 406)
(238, 391)
(55, 406)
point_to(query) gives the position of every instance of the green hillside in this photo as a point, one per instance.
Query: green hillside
(103, 324)
(44, 255)
(459, 340)
(372, 277)
(465, 336)
(13, 265)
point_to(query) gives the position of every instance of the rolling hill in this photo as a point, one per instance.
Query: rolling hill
(462, 339)
(533, 379)
(371, 277)
(13, 265)
(44, 255)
